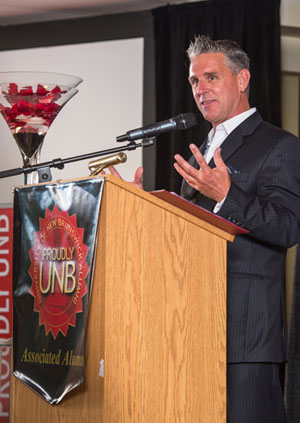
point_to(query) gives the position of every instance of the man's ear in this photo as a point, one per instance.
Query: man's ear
(244, 78)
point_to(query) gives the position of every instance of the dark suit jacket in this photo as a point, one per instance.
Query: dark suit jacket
(264, 197)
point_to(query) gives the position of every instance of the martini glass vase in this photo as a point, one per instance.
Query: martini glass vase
(29, 103)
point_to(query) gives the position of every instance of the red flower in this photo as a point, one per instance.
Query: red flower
(41, 90)
(12, 89)
(26, 91)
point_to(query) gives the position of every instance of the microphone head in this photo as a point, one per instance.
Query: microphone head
(185, 121)
(177, 123)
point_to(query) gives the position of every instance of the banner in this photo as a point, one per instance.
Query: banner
(6, 242)
(55, 232)
(5, 354)
(6, 246)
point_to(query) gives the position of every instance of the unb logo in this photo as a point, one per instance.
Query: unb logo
(58, 271)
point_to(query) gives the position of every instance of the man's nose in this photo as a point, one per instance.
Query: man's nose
(201, 87)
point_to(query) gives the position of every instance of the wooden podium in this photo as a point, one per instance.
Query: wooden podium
(157, 318)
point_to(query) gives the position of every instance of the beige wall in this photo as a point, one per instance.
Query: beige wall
(290, 122)
(290, 64)
(290, 13)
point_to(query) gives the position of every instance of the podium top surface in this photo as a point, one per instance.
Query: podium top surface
(206, 220)
(200, 212)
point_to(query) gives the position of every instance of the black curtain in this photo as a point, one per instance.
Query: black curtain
(293, 369)
(254, 24)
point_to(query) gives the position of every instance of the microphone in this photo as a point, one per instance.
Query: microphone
(177, 123)
(96, 166)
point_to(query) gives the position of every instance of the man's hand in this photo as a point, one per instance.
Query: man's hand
(138, 176)
(213, 183)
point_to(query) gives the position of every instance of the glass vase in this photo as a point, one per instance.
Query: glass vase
(29, 103)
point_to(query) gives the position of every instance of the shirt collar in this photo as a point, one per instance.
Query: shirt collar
(229, 125)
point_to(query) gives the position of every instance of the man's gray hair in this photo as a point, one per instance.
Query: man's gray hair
(236, 59)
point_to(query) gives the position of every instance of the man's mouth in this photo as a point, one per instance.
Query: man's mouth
(206, 103)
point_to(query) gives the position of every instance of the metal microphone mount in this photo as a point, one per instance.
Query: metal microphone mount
(44, 171)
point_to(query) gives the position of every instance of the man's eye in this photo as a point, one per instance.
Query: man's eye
(194, 81)
(212, 77)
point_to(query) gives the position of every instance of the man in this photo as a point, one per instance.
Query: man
(253, 180)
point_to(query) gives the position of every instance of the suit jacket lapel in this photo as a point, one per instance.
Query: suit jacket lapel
(236, 138)
(231, 144)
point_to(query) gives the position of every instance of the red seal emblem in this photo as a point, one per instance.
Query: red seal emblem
(58, 271)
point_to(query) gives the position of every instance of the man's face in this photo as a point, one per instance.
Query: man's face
(219, 94)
